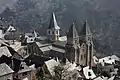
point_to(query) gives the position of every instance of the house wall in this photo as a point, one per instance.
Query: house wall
(21, 76)
(6, 77)
(33, 49)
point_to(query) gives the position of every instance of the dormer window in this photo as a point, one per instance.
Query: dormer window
(89, 74)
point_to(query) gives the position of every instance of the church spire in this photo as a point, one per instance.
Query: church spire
(85, 32)
(53, 22)
(72, 32)
(53, 31)
(86, 36)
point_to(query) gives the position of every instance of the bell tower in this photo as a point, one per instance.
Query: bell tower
(53, 31)
(86, 37)
(72, 45)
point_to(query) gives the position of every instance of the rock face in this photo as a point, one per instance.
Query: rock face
(103, 16)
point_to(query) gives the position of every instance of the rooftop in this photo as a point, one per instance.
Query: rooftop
(51, 65)
(4, 51)
(5, 69)
(89, 74)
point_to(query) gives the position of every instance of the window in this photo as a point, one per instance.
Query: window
(31, 39)
(57, 32)
(49, 32)
(110, 58)
(103, 60)
(81, 57)
(83, 45)
(88, 38)
(89, 74)
(75, 41)
(83, 50)
(52, 32)
(110, 70)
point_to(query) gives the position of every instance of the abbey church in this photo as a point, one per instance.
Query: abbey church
(78, 46)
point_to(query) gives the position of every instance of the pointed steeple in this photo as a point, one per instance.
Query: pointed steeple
(85, 30)
(53, 31)
(53, 23)
(72, 31)
(85, 34)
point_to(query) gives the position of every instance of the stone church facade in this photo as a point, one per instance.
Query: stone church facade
(79, 45)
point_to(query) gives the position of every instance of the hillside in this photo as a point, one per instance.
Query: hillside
(102, 15)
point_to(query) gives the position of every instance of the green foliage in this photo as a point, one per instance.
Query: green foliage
(42, 74)
(58, 73)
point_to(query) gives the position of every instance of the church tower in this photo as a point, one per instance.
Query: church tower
(86, 38)
(53, 30)
(72, 45)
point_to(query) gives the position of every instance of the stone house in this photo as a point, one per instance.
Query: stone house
(6, 73)
(24, 72)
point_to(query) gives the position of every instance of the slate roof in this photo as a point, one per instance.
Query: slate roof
(86, 72)
(4, 51)
(46, 48)
(60, 44)
(37, 60)
(16, 46)
(2, 42)
(51, 65)
(63, 38)
(41, 45)
(112, 78)
(25, 68)
(109, 59)
(42, 38)
(98, 78)
(74, 74)
(53, 23)
(25, 78)
(5, 69)
(72, 32)
(58, 49)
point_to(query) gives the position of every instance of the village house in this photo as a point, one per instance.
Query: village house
(6, 73)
